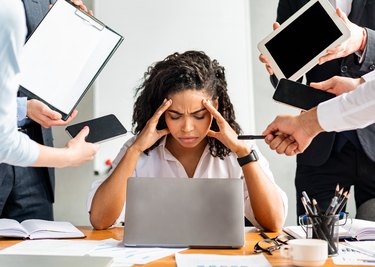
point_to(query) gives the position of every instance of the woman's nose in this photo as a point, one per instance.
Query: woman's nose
(188, 125)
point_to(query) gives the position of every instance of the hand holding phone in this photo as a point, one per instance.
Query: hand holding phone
(101, 129)
(299, 95)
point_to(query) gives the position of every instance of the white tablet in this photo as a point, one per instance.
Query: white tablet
(295, 47)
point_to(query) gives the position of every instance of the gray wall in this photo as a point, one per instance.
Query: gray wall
(73, 184)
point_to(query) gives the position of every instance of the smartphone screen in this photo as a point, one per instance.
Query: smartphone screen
(299, 95)
(101, 129)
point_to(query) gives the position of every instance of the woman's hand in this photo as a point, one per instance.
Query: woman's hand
(149, 135)
(226, 135)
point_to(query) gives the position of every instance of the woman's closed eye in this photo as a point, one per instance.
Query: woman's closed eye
(176, 117)
(199, 115)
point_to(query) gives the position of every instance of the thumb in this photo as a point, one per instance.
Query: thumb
(164, 132)
(275, 25)
(342, 15)
(324, 85)
(54, 115)
(211, 133)
(318, 86)
(83, 133)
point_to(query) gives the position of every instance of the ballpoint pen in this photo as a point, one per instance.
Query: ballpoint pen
(250, 137)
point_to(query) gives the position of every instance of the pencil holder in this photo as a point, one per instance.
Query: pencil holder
(325, 227)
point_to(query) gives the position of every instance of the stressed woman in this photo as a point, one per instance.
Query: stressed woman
(184, 126)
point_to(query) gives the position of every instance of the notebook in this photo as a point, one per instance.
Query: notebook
(180, 212)
(348, 229)
(55, 261)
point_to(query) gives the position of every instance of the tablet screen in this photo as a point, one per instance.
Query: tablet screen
(303, 39)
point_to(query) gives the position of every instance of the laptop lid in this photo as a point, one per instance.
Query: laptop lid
(180, 212)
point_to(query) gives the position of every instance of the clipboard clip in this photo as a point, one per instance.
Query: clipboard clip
(89, 20)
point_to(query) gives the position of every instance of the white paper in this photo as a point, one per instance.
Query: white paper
(212, 260)
(122, 256)
(74, 48)
(52, 247)
(126, 255)
(349, 256)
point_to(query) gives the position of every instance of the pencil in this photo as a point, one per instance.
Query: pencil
(250, 137)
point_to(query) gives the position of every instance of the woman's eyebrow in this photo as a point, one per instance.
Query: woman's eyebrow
(178, 113)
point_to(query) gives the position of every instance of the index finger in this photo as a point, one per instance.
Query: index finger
(270, 130)
(161, 110)
(214, 112)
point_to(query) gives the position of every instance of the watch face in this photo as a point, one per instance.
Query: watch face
(253, 156)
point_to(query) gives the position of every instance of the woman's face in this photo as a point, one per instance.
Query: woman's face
(187, 119)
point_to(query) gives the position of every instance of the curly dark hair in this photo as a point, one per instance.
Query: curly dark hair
(176, 73)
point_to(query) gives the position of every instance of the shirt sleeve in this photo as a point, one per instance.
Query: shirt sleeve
(15, 148)
(21, 110)
(349, 111)
(369, 76)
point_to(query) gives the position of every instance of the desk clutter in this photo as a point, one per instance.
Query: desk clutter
(324, 225)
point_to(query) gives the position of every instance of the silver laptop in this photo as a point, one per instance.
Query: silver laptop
(181, 212)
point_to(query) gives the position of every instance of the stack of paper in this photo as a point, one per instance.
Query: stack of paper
(349, 256)
(196, 260)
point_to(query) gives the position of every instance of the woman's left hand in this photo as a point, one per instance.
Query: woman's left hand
(226, 135)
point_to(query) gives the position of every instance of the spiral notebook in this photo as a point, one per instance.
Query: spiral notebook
(64, 55)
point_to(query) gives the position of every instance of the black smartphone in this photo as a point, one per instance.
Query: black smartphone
(101, 129)
(299, 95)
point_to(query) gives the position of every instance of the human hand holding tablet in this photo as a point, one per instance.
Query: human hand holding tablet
(296, 46)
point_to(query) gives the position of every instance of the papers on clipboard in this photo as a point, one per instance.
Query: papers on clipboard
(64, 55)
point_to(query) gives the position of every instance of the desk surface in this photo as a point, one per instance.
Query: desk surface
(117, 233)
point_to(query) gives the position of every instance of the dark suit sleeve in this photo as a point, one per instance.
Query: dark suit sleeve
(369, 58)
(285, 9)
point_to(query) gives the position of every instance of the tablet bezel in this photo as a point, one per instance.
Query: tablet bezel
(298, 74)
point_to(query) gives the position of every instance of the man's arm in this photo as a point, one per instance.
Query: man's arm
(291, 135)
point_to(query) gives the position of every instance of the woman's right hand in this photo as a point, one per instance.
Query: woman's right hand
(150, 135)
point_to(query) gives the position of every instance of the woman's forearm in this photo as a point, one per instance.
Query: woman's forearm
(110, 197)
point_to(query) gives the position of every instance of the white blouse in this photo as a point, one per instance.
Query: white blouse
(161, 163)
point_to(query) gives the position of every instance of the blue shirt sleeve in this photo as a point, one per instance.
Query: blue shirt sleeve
(21, 110)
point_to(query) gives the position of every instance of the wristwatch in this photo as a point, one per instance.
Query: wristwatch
(253, 156)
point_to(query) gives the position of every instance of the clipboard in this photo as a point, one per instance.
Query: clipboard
(64, 55)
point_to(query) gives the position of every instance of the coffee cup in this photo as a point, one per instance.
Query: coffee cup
(306, 252)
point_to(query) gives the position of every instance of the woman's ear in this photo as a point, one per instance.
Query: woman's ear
(215, 103)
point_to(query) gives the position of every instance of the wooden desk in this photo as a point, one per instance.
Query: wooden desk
(117, 233)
